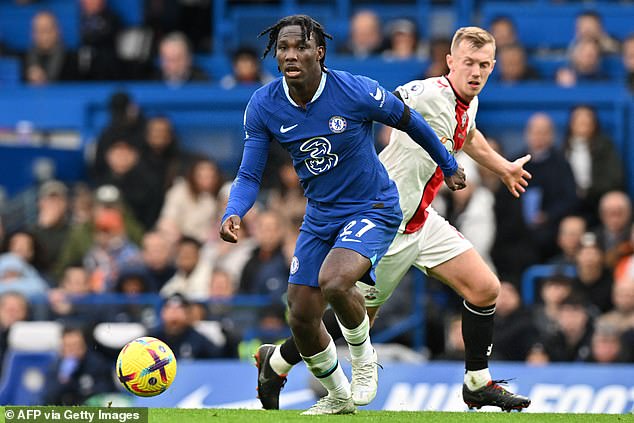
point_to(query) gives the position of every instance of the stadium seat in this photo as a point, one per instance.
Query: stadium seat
(533, 274)
(24, 377)
(35, 336)
(556, 22)
(9, 72)
(115, 334)
(212, 330)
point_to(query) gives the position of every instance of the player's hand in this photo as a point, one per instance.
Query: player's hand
(458, 180)
(516, 179)
(229, 229)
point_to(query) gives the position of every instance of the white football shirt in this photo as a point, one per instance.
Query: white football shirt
(417, 176)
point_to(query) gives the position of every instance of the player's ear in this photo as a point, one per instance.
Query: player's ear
(449, 61)
(321, 52)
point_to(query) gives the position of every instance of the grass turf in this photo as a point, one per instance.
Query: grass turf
(165, 415)
(211, 415)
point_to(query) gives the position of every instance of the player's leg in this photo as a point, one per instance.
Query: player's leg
(339, 274)
(470, 276)
(451, 258)
(306, 304)
(361, 244)
(389, 271)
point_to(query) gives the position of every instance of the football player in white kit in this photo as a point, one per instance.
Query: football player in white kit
(425, 239)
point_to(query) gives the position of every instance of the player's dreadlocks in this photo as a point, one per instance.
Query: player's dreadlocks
(308, 26)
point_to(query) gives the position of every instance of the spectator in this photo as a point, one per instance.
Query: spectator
(226, 256)
(266, 272)
(403, 42)
(551, 194)
(65, 302)
(193, 272)
(628, 61)
(176, 330)
(554, 290)
(454, 343)
(470, 210)
(288, 200)
(98, 28)
(14, 307)
(512, 250)
(111, 250)
(221, 288)
(126, 121)
(588, 24)
(613, 232)
(47, 59)
(16, 275)
(161, 151)
(133, 280)
(569, 235)
(439, 48)
(514, 330)
(513, 67)
(53, 222)
(593, 281)
(246, 70)
(157, 253)
(622, 316)
(193, 17)
(585, 65)
(24, 245)
(365, 37)
(595, 163)
(607, 346)
(135, 180)
(503, 30)
(190, 204)
(572, 341)
(78, 374)
(81, 237)
(176, 67)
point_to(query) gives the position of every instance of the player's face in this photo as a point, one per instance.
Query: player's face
(470, 67)
(298, 59)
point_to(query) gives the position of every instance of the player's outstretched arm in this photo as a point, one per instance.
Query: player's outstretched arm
(512, 174)
(245, 187)
(408, 120)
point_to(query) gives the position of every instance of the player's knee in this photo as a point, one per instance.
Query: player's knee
(489, 292)
(333, 289)
(301, 322)
(485, 293)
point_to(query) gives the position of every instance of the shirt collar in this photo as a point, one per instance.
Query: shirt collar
(320, 89)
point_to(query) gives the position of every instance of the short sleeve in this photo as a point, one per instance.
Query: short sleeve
(412, 93)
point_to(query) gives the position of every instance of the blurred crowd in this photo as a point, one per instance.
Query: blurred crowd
(146, 220)
(164, 47)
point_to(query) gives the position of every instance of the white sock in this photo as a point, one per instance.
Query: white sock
(476, 379)
(325, 366)
(358, 340)
(278, 364)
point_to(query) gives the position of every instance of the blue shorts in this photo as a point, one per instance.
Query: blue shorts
(368, 232)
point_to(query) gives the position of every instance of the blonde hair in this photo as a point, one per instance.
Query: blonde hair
(475, 36)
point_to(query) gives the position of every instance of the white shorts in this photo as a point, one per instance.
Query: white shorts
(436, 243)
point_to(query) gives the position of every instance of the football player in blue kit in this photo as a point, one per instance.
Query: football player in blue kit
(324, 119)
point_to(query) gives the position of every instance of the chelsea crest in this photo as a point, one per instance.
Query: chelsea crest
(337, 124)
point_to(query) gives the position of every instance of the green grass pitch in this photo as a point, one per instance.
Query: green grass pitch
(166, 415)
(211, 415)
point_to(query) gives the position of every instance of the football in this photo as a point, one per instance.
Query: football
(146, 366)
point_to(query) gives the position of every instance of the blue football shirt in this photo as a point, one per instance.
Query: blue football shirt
(330, 141)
